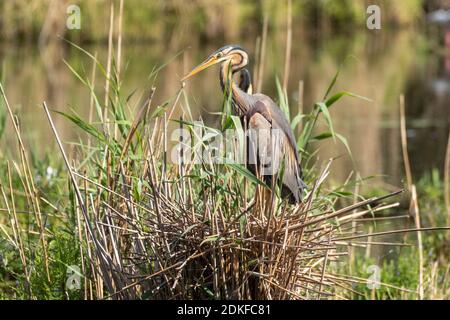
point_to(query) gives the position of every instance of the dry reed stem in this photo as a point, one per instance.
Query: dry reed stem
(101, 253)
(414, 205)
(287, 56)
(400, 231)
(259, 79)
(257, 58)
(404, 141)
(119, 40)
(447, 180)
(415, 209)
(110, 54)
(301, 88)
(29, 182)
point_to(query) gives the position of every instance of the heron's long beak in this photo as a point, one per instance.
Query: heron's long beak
(205, 64)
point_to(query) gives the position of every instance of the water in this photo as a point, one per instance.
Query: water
(380, 66)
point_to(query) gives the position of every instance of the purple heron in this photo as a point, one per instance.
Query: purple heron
(261, 114)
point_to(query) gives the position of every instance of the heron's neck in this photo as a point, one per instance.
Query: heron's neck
(241, 99)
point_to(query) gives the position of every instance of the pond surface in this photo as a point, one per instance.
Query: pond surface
(380, 66)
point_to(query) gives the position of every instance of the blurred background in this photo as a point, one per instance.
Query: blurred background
(410, 55)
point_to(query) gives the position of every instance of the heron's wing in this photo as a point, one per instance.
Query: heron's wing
(279, 119)
(275, 144)
(259, 150)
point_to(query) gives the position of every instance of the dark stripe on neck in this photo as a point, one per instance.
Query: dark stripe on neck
(239, 97)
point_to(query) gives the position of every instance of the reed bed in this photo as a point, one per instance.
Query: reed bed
(163, 231)
(142, 227)
(189, 233)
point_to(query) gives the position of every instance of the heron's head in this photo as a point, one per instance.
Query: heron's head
(233, 54)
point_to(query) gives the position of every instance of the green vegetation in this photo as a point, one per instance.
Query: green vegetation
(399, 265)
